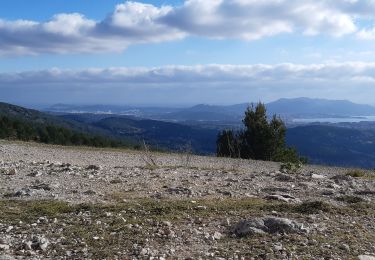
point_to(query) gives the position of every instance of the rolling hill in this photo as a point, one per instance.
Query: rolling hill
(165, 135)
(130, 130)
(335, 146)
(17, 123)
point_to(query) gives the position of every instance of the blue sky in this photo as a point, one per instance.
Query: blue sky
(185, 52)
(45, 9)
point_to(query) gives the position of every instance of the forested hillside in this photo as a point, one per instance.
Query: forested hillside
(17, 129)
(331, 145)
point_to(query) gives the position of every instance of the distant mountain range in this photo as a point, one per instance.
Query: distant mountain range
(344, 144)
(323, 107)
(287, 108)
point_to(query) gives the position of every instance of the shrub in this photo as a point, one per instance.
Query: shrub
(356, 173)
(312, 207)
(291, 167)
(186, 154)
(148, 158)
(350, 199)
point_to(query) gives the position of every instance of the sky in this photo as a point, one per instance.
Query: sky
(177, 53)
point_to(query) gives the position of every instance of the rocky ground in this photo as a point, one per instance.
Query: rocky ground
(84, 203)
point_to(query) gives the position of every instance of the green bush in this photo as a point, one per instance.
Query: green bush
(356, 173)
(312, 207)
(291, 167)
(350, 199)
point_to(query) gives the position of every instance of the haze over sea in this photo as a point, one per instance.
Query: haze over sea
(355, 119)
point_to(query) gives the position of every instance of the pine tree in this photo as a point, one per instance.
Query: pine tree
(261, 139)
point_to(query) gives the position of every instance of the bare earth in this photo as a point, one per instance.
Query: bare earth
(85, 203)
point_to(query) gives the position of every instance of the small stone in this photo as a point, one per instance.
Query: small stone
(41, 186)
(317, 176)
(345, 247)
(282, 197)
(89, 192)
(43, 244)
(217, 236)
(12, 172)
(4, 247)
(35, 174)
(20, 193)
(333, 186)
(9, 229)
(42, 220)
(366, 257)
(37, 243)
(93, 167)
(227, 193)
(226, 222)
(167, 223)
(278, 247)
(200, 207)
(27, 245)
(143, 252)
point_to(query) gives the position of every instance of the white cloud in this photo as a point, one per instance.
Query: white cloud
(132, 14)
(249, 19)
(130, 23)
(367, 34)
(358, 8)
(138, 23)
(68, 25)
(134, 23)
(192, 84)
(254, 74)
(65, 33)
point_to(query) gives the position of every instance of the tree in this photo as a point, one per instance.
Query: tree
(261, 139)
(227, 144)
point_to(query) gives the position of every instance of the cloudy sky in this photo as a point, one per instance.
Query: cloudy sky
(185, 52)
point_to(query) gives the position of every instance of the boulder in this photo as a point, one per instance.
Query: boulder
(272, 225)
(249, 227)
(281, 225)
